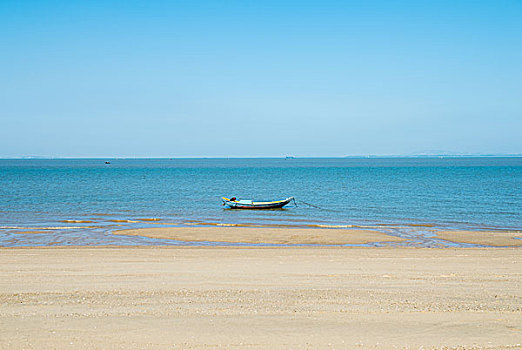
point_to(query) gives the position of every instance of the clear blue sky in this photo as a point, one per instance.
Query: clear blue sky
(259, 78)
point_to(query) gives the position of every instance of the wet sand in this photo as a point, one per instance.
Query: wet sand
(29, 232)
(260, 298)
(489, 238)
(152, 231)
(320, 236)
(267, 235)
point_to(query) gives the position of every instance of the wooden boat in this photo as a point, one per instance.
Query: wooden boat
(233, 203)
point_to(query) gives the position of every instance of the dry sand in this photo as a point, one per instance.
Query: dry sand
(263, 235)
(260, 298)
(489, 238)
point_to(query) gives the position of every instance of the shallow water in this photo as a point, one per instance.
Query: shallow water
(83, 200)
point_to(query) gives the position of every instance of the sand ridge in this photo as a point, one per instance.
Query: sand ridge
(267, 235)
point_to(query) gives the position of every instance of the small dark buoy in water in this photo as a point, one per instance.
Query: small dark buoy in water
(107, 162)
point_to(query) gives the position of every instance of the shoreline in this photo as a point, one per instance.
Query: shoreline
(154, 232)
(260, 298)
(320, 236)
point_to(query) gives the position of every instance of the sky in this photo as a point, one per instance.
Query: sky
(259, 78)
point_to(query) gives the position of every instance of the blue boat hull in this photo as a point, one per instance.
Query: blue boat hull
(254, 204)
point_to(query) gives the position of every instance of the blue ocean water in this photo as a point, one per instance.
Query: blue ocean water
(444, 192)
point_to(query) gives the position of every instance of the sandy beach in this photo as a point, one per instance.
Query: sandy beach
(260, 298)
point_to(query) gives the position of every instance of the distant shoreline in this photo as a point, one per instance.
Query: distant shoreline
(435, 156)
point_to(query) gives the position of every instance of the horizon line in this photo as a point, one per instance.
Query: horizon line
(507, 155)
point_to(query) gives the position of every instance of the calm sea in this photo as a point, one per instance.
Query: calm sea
(445, 192)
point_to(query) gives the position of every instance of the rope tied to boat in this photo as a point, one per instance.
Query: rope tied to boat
(314, 206)
(310, 205)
